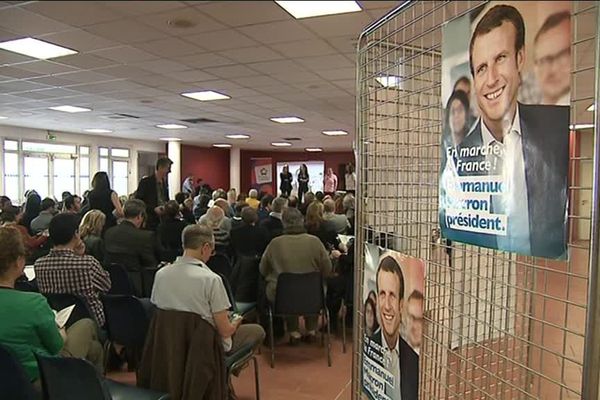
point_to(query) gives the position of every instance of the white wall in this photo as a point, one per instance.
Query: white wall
(14, 132)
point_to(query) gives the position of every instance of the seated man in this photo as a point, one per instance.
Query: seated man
(249, 239)
(42, 221)
(68, 270)
(338, 222)
(297, 252)
(272, 224)
(127, 239)
(189, 285)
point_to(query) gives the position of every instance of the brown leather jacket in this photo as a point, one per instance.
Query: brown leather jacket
(183, 355)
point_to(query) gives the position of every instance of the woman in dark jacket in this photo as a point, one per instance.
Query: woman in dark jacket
(303, 179)
(103, 198)
(33, 206)
(285, 184)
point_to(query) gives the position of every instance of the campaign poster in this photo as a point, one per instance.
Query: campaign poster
(506, 80)
(392, 302)
(262, 174)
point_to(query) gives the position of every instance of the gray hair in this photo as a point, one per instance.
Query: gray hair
(329, 206)
(133, 208)
(253, 193)
(195, 236)
(278, 204)
(292, 220)
(348, 202)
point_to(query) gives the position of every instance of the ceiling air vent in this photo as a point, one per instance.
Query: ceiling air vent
(119, 116)
(200, 121)
(291, 139)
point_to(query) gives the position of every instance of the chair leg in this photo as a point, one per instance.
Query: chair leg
(107, 347)
(328, 339)
(256, 380)
(271, 338)
(344, 327)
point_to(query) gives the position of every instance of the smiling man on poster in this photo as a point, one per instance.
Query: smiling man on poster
(513, 165)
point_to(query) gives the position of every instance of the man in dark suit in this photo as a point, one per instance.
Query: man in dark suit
(525, 146)
(131, 246)
(153, 190)
(399, 358)
(272, 224)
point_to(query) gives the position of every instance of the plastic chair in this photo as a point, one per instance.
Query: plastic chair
(58, 301)
(14, 382)
(242, 308)
(220, 264)
(127, 324)
(240, 358)
(120, 281)
(296, 295)
(244, 278)
(65, 378)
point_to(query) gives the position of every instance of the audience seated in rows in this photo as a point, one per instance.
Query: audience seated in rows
(31, 210)
(42, 221)
(221, 226)
(236, 220)
(5, 203)
(127, 241)
(248, 238)
(12, 217)
(201, 205)
(189, 285)
(67, 269)
(90, 231)
(272, 224)
(297, 252)
(28, 326)
(339, 222)
(316, 225)
(265, 207)
(309, 197)
(169, 231)
(252, 199)
(72, 204)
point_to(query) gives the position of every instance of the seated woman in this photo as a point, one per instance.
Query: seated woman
(28, 324)
(221, 226)
(169, 232)
(316, 225)
(90, 231)
(32, 244)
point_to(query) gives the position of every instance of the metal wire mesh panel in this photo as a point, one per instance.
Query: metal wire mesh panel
(497, 325)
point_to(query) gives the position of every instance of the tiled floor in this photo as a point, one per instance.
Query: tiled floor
(300, 373)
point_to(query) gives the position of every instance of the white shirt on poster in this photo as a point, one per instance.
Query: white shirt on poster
(391, 358)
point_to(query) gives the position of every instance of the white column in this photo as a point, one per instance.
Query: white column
(174, 153)
(234, 169)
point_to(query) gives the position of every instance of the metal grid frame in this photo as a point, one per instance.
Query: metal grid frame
(497, 325)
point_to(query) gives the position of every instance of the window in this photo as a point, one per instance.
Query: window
(36, 173)
(11, 176)
(84, 169)
(64, 176)
(115, 162)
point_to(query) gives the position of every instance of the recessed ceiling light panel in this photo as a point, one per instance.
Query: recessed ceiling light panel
(287, 120)
(71, 109)
(313, 149)
(281, 144)
(222, 145)
(98, 130)
(36, 48)
(238, 136)
(171, 126)
(206, 95)
(592, 107)
(580, 126)
(306, 9)
(170, 139)
(1, 117)
(335, 133)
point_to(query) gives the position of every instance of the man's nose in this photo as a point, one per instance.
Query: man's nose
(492, 76)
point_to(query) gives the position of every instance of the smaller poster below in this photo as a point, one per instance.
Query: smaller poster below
(392, 301)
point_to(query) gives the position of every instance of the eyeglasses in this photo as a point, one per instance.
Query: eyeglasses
(559, 57)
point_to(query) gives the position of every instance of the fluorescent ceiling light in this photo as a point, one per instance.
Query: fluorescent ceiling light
(306, 9)
(389, 81)
(70, 109)
(237, 136)
(1, 117)
(222, 145)
(287, 120)
(313, 149)
(592, 107)
(581, 126)
(36, 48)
(281, 144)
(170, 139)
(335, 133)
(171, 126)
(98, 130)
(206, 95)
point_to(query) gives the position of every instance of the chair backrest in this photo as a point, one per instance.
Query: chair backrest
(14, 383)
(229, 292)
(220, 264)
(58, 301)
(126, 320)
(299, 294)
(131, 264)
(120, 281)
(65, 378)
(244, 278)
(27, 286)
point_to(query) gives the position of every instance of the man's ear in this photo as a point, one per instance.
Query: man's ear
(520, 59)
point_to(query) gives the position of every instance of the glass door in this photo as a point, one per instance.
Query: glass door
(64, 176)
(36, 173)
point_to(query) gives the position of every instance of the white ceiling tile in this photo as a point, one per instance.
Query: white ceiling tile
(204, 60)
(133, 8)
(18, 73)
(46, 67)
(99, 88)
(24, 22)
(170, 47)
(338, 25)
(167, 22)
(297, 77)
(304, 48)
(324, 62)
(274, 67)
(277, 32)
(123, 71)
(221, 40)
(252, 54)
(20, 86)
(256, 82)
(125, 54)
(240, 13)
(154, 80)
(51, 81)
(85, 77)
(344, 44)
(74, 13)
(194, 75)
(85, 61)
(339, 74)
(231, 71)
(161, 66)
(78, 39)
(125, 31)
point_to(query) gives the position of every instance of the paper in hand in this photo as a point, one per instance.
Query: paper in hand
(61, 317)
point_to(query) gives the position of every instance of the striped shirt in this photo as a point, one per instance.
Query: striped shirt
(63, 271)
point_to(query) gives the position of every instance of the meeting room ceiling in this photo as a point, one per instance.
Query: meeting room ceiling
(136, 58)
